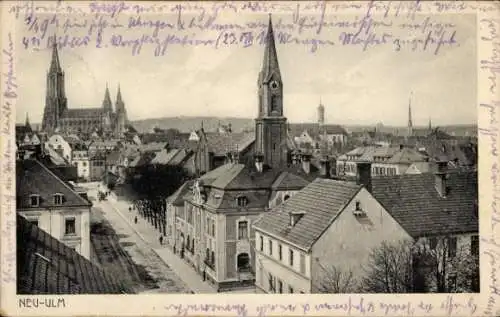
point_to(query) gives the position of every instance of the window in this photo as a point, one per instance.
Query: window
(213, 258)
(474, 245)
(291, 257)
(270, 247)
(280, 286)
(358, 205)
(302, 264)
(242, 201)
(34, 222)
(70, 227)
(242, 230)
(58, 199)
(261, 243)
(213, 228)
(433, 243)
(280, 254)
(286, 197)
(290, 289)
(452, 247)
(272, 288)
(243, 262)
(34, 200)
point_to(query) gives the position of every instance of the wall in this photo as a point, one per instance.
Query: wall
(347, 243)
(52, 221)
(267, 263)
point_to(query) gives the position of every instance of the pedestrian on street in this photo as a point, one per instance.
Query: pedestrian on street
(130, 209)
(161, 240)
(135, 219)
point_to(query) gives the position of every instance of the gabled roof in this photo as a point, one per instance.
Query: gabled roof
(153, 146)
(32, 178)
(314, 129)
(164, 156)
(221, 144)
(177, 198)
(47, 266)
(321, 202)
(415, 203)
(287, 180)
(423, 167)
(406, 156)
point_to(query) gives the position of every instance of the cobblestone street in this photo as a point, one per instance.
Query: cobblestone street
(122, 251)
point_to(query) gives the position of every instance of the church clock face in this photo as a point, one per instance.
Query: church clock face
(274, 85)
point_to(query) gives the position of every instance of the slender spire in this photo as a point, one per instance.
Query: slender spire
(119, 95)
(55, 65)
(430, 124)
(410, 122)
(106, 103)
(270, 64)
(27, 122)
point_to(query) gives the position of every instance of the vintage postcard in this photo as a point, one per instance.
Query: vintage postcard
(250, 158)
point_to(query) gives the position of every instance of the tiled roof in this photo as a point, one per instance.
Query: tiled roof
(221, 144)
(415, 203)
(141, 160)
(287, 180)
(424, 167)
(113, 157)
(47, 266)
(83, 113)
(153, 146)
(314, 130)
(164, 156)
(55, 157)
(321, 201)
(32, 177)
(177, 198)
(406, 156)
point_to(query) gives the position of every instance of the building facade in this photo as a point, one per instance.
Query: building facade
(58, 117)
(57, 209)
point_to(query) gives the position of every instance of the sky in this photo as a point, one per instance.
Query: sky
(355, 86)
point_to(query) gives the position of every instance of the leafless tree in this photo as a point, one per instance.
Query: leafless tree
(336, 281)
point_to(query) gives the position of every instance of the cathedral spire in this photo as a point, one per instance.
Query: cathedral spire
(27, 122)
(119, 95)
(270, 64)
(106, 103)
(410, 122)
(430, 124)
(55, 65)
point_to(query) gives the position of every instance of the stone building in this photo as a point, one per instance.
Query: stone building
(58, 117)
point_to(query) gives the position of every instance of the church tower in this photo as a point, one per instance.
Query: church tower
(121, 113)
(55, 100)
(270, 125)
(106, 103)
(321, 114)
(410, 123)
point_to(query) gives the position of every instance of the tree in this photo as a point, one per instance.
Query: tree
(336, 281)
(390, 269)
(159, 181)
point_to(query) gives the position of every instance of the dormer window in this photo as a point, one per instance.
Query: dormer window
(34, 200)
(58, 199)
(295, 217)
(242, 201)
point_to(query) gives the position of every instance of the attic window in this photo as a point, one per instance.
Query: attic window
(358, 211)
(242, 201)
(34, 200)
(217, 196)
(295, 217)
(58, 199)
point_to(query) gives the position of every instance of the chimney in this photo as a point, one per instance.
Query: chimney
(259, 162)
(325, 167)
(306, 162)
(440, 177)
(364, 175)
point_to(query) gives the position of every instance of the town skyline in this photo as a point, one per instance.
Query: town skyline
(183, 83)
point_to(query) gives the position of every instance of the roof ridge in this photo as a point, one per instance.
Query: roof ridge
(61, 181)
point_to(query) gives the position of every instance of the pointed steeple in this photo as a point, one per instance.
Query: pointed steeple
(410, 122)
(106, 103)
(27, 122)
(270, 64)
(55, 65)
(430, 124)
(119, 95)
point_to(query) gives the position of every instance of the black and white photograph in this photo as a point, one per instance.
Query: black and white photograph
(246, 148)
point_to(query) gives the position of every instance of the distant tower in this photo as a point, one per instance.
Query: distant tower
(321, 114)
(270, 124)
(410, 123)
(430, 124)
(121, 113)
(106, 102)
(27, 123)
(55, 100)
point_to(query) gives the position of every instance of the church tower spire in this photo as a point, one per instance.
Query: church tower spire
(270, 131)
(106, 103)
(55, 100)
(410, 122)
(430, 124)
(121, 113)
(27, 122)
